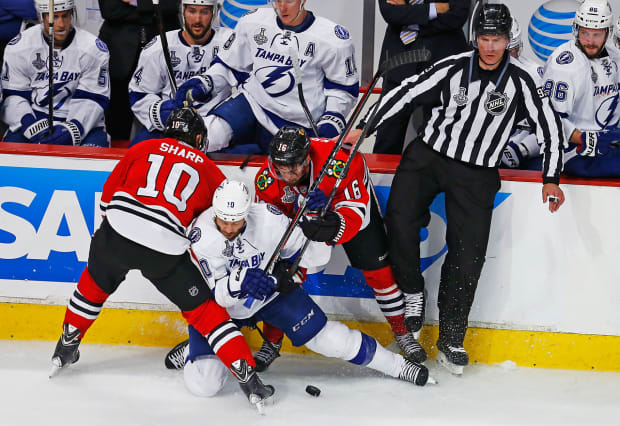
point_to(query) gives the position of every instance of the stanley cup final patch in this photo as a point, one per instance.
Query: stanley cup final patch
(496, 103)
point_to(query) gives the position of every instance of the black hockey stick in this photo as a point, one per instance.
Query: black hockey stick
(164, 46)
(408, 57)
(50, 66)
(300, 90)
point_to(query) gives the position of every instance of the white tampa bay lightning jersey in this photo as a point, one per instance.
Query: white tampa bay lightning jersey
(224, 261)
(533, 68)
(261, 48)
(81, 83)
(150, 82)
(583, 91)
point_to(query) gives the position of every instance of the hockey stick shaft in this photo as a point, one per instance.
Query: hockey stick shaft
(300, 90)
(164, 46)
(408, 57)
(50, 65)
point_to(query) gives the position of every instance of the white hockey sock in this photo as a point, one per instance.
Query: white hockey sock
(386, 362)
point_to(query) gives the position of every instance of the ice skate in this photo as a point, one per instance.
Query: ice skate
(413, 350)
(414, 312)
(415, 373)
(66, 352)
(267, 353)
(257, 393)
(453, 358)
(175, 359)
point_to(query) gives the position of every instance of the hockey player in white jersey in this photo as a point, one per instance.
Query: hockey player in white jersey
(264, 45)
(191, 51)
(617, 33)
(523, 144)
(582, 79)
(232, 242)
(81, 89)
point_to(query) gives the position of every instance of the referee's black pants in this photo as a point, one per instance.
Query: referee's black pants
(469, 194)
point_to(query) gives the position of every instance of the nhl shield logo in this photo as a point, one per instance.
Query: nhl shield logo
(260, 37)
(38, 63)
(461, 97)
(496, 103)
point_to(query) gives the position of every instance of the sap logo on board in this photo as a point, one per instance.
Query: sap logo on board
(550, 26)
(232, 10)
(45, 229)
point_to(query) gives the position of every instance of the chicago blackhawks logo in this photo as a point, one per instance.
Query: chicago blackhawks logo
(496, 103)
(335, 169)
(263, 180)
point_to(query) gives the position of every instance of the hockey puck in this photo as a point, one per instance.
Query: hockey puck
(313, 390)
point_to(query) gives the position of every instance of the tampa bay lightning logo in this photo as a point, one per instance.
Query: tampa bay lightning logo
(341, 32)
(101, 45)
(565, 58)
(195, 234)
(277, 80)
(61, 95)
(606, 112)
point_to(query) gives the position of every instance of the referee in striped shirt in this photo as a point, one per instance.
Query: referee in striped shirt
(476, 98)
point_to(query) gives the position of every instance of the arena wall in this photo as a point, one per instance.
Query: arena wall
(548, 295)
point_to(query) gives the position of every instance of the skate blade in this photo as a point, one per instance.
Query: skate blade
(431, 381)
(416, 334)
(457, 370)
(56, 367)
(259, 403)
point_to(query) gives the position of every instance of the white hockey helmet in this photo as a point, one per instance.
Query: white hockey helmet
(43, 6)
(515, 35)
(198, 3)
(594, 14)
(231, 201)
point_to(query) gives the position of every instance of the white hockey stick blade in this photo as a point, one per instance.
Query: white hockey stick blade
(457, 370)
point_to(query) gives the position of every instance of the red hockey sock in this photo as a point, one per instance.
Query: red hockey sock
(272, 333)
(85, 304)
(224, 337)
(389, 297)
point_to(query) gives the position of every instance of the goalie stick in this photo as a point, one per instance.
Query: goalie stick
(164, 46)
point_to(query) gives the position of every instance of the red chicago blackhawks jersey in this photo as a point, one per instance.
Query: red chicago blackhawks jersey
(352, 199)
(155, 192)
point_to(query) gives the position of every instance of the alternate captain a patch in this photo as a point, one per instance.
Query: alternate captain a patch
(263, 180)
(335, 168)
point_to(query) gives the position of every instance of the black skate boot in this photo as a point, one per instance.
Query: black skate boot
(251, 385)
(175, 360)
(66, 352)
(415, 304)
(413, 350)
(414, 373)
(454, 358)
(267, 353)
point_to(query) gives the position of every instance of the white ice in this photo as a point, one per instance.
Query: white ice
(129, 385)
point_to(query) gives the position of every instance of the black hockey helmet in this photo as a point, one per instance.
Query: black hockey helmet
(492, 19)
(289, 146)
(185, 124)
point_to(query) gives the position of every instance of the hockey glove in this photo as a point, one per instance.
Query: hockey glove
(160, 112)
(328, 228)
(330, 125)
(512, 156)
(286, 281)
(199, 90)
(32, 129)
(597, 143)
(315, 200)
(258, 284)
(67, 133)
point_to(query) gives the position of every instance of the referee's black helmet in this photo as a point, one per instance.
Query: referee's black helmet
(493, 19)
(289, 146)
(185, 124)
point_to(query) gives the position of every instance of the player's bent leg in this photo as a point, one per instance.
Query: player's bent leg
(219, 133)
(97, 138)
(205, 376)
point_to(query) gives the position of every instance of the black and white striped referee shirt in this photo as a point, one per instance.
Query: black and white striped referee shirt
(474, 110)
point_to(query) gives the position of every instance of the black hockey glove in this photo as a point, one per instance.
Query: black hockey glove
(288, 282)
(326, 229)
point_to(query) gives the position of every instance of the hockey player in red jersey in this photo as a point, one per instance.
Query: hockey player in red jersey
(149, 200)
(353, 220)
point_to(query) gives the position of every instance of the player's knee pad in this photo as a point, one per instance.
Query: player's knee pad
(219, 133)
(336, 340)
(205, 376)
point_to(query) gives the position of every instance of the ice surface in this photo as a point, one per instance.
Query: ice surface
(129, 385)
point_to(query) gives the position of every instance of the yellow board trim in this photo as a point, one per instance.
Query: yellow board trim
(21, 321)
